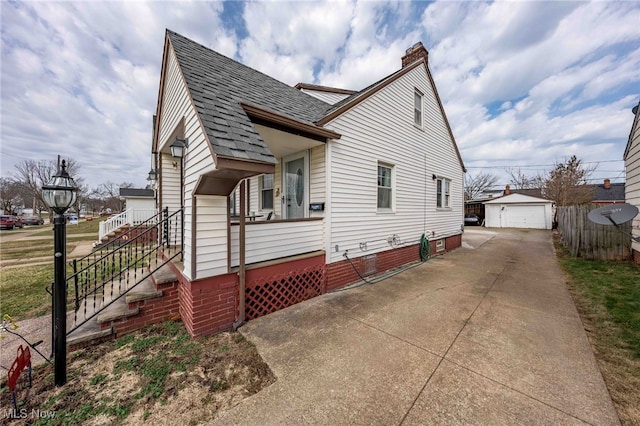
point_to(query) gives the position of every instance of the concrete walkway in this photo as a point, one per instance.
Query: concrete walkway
(487, 334)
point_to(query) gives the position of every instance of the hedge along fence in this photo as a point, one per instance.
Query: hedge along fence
(592, 241)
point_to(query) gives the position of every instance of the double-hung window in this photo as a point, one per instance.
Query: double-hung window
(266, 192)
(232, 204)
(385, 187)
(417, 108)
(443, 193)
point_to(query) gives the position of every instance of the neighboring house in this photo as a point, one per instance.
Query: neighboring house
(632, 167)
(139, 207)
(138, 199)
(519, 211)
(292, 192)
(608, 193)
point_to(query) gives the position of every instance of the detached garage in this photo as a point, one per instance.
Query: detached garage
(518, 211)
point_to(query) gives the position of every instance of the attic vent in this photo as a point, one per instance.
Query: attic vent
(440, 245)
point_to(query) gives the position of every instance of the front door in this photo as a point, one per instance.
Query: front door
(295, 188)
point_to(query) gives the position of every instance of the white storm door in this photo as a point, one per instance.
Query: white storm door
(295, 178)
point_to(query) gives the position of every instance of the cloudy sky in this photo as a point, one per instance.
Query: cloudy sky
(523, 83)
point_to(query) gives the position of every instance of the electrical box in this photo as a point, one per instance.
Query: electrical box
(316, 207)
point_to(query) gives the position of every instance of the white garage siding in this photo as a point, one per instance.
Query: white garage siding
(518, 211)
(415, 154)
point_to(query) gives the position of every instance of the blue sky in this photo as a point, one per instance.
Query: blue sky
(524, 84)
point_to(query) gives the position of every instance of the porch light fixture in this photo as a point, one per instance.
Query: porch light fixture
(152, 175)
(60, 194)
(178, 146)
(434, 177)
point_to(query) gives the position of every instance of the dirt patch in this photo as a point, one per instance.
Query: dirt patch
(158, 375)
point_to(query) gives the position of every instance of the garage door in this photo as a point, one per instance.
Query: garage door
(522, 216)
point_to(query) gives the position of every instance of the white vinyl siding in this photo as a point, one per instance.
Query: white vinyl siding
(176, 106)
(273, 240)
(211, 236)
(381, 127)
(317, 178)
(632, 186)
(170, 183)
(328, 97)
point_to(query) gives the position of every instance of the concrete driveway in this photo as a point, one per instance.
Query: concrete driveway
(487, 334)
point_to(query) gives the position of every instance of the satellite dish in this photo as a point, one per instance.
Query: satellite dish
(613, 214)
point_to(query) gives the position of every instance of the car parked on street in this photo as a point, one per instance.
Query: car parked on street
(6, 222)
(472, 219)
(17, 222)
(33, 220)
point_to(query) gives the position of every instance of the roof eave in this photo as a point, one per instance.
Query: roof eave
(269, 116)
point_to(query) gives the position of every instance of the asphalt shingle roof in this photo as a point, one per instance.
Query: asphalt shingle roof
(136, 192)
(614, 193)
(218, 84)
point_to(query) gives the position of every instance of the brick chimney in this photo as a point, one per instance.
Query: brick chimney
(607, 184)
(415, 52)
(507, 190)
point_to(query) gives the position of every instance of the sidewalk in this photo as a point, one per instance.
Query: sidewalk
(485, 335)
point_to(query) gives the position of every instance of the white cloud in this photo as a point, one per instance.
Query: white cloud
(522, 82)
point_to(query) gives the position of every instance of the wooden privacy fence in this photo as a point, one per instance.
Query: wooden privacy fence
(590, 240)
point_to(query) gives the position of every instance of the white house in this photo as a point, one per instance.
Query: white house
(518, 211)
(138, 199)
(632, 167)
(289, 192)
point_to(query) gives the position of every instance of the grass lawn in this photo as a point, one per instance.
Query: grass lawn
(23, 291)
(83, 227)
(607, 295)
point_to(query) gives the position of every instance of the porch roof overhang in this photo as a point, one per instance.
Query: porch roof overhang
(283, 136)
(228, 173)
(287, 124)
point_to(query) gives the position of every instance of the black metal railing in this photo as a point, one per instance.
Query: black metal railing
(116, 267)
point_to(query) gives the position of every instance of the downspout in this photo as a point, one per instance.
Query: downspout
(242, 267)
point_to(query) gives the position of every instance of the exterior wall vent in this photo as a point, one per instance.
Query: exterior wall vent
(368, 265)
(440, 245)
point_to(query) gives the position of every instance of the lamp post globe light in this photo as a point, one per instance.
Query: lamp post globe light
(60, 194)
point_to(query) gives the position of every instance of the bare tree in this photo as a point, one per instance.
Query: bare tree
(109, 192)
(32, 175)
(474, 186)
(567, 185)
(10, 198)
(520, 180)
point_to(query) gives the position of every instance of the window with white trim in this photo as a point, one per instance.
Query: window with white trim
(417, 108)
(266, 192)
(232, 204)
(385, 186)
(443, 193)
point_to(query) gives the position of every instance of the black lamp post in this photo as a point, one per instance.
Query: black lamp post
(60, 194)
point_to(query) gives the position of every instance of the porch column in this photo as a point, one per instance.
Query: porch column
(242, 266)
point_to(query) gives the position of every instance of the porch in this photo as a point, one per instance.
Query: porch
(276, 239)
